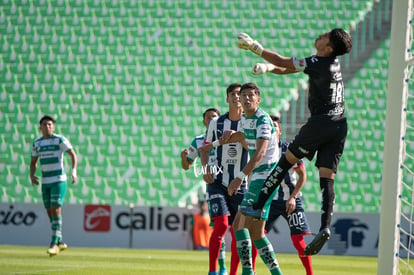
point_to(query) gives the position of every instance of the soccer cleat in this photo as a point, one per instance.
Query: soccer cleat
(62, 246)
(318, 242)
(249, 211)
(223, 271)
(53, 250)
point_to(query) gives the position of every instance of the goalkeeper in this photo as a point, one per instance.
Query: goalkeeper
(326, 129)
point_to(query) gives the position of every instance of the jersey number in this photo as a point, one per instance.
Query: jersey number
(337, 92)
(296, 219)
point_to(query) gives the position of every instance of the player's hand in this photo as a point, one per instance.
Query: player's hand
(208, 177)
(184, 154)
(234, 186)
(206, 147)
(290, 205)
(35, 180)
(226, 136)
(261, 68)
(247, 43)
(74, 176)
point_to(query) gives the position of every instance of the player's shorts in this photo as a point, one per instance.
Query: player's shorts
(53, 194)
(323, 135)
(220, 203)
(297, 221)
(252, 195)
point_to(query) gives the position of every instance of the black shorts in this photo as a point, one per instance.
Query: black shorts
(323, 135)
(220, 203)
(297, 221)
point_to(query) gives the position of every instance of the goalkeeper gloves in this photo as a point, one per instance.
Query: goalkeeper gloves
(247, 43)
(261, 68)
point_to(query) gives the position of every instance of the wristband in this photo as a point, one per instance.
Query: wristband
(74, 172)
(216, 143)
(241, 175)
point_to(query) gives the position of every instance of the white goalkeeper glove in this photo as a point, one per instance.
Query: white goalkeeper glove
(261, 68)
(247, 43)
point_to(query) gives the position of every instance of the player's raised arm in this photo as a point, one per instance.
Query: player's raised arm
(247, 43)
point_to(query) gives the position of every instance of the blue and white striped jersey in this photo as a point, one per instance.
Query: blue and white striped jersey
(230, 158)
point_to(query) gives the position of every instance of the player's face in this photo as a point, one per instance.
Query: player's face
(209, 116)
(233, 98)
(322, 45)
(249, 100)
(47, 127)
(277, 128)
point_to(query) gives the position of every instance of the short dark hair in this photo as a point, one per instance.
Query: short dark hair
(47, 117)
(340, 41)
(211, 110)
(276, 119)
(250, 86)
(231, 87)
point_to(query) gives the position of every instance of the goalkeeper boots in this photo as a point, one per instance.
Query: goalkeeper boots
(249, 211)
(53, 250)
(318, 242)
(62, 246)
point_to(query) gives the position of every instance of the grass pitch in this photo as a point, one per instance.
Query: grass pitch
(100, 261)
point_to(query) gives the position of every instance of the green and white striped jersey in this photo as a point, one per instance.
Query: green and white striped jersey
(50, 153)
(193, 152)
(260, 126)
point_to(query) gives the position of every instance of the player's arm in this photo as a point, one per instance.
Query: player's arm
(261, 147)
(185, 162)
(33, 167)
(291, 202)
(74, 160)
(205, 151)
(281, 64)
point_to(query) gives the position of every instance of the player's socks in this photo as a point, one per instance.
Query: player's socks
(265, 250)
(56, 229)
(273, 181)
(222, 258)
(234, 260)
(328, 201)
(220, 227)
(299, 244)
(244, 249)
(254, 256)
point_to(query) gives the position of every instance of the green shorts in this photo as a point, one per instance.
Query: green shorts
(53, 194)
(253, 192)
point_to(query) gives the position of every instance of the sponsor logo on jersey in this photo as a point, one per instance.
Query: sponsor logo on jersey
(97, 218)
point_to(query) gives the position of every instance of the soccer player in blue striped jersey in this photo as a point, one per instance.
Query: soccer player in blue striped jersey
(259, 134)
(188, 156)
(229, 161)
(49, 150)
(288, 203)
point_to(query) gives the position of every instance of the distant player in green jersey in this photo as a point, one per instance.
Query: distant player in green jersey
(49, 149)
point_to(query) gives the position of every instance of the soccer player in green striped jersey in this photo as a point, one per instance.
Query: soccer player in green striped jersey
(49, 149)
(261, 139)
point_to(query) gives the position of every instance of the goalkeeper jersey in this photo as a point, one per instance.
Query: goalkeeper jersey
(50, 153)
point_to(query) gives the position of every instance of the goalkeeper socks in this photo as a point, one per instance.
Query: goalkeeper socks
(273, 181)
(328, 201)
(56, 229)
(221, 224)
(244, 249)
(222, 256)
(265, 249)
(299, 244)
